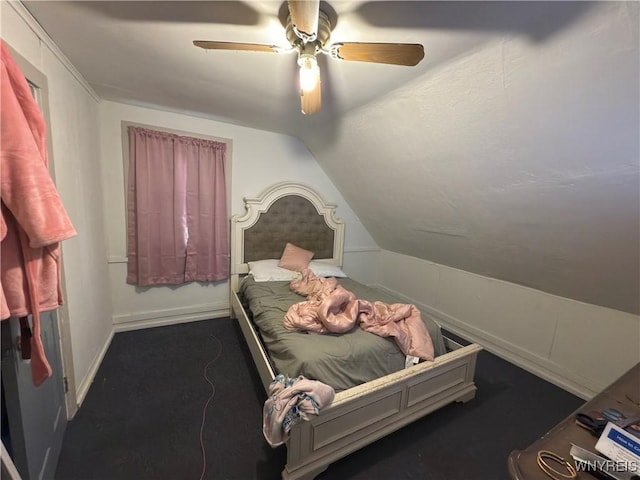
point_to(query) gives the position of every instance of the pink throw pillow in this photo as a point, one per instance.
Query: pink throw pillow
(295, 258)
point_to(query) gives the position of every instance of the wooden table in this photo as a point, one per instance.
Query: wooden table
(623, 395)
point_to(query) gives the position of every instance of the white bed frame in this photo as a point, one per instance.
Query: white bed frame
(360, 415)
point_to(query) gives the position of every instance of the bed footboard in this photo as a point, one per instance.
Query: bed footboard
(363, 414)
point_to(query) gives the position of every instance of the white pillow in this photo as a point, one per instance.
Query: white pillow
(323, 269)
(269, 271)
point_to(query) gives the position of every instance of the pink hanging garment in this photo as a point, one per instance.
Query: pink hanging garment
(33, 220)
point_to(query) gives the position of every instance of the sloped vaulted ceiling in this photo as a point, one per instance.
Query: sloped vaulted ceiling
(511, 150)
(517, 159)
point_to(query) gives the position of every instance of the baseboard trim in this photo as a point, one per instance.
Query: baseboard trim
(539, 366)
(83, 388)
(169, 315)
(172, 320)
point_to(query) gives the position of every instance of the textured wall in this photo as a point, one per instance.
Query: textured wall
(516, 160)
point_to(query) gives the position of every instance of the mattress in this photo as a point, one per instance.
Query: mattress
(340, 360)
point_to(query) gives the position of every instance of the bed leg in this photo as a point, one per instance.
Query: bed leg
(306, 475)
(467, 396)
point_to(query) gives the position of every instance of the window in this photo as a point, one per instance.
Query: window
(176, 209)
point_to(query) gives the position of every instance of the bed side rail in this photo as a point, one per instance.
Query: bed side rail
(259, 355)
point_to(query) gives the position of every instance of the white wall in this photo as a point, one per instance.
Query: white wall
(580, 347)
(258, 159)
(73, 109)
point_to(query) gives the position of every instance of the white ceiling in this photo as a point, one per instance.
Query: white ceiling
(142, 52)
(510, 151)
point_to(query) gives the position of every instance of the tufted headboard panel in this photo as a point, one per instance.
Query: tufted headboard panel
(285, 212)
(289, 219)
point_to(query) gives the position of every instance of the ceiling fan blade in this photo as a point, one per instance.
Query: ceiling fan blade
(311, 101)
(408, 54)
(249, 47)
(304, 18)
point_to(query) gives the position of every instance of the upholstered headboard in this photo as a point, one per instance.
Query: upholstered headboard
(285, 212)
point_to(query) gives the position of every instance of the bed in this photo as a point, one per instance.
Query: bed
(364, 409)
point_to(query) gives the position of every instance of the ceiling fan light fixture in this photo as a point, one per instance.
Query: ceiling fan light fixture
(309, 72)
(308, 30)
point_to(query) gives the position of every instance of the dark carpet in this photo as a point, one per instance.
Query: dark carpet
(142, 417)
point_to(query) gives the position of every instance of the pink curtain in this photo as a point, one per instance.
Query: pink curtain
(177, 210)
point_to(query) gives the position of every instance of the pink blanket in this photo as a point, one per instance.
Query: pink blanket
(330, 308)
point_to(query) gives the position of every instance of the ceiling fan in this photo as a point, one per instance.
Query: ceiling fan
(308, 30)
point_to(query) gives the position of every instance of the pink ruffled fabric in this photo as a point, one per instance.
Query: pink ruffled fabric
(330, 308)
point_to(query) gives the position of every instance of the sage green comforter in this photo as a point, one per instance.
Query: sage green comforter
(340, 360)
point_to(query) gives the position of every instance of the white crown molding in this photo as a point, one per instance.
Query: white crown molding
(32, 23)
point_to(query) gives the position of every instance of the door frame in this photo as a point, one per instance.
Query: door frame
(39, 80)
